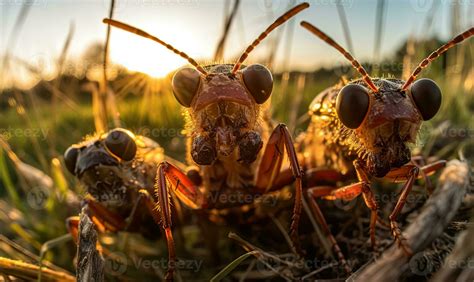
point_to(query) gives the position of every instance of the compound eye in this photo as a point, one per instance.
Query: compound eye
(70, 158)
(203, 150)
(185, 85)
(121, 143)
(427, 97)
(352, 105)
(259, 81)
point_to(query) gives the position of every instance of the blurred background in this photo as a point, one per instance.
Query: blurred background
(63, 76)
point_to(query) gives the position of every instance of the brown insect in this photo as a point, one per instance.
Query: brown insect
(117, 169)
(366, 126)
(226, 131)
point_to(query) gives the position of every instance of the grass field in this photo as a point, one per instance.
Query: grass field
(37, 125)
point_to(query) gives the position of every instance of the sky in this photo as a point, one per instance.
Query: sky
(195, 26)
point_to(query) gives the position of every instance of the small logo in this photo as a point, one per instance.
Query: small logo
(421, 6)
(269, 6)
(37, 198)
(420, 264)
(116, 263)
(345, 205)
(343, 68)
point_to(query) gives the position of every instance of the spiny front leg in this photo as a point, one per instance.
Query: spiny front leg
(369, 200)
(409, 172)
(269, 168)
(400, 174)
(169, 176)
(396, 231)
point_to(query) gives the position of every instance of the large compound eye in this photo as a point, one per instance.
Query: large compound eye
(259, 81)
(203, 150)
(427, 97)
(352, 105)
(185, 85)
(70, 158)
(121, 143)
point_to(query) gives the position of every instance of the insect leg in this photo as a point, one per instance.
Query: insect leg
(329, 191)
(396, 232)
(369, 200)
(420, 161)
(270, 166)
(104, 219)
(402, 174)
(186, 191)
(72, 225)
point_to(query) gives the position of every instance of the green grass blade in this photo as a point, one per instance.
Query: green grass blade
(7, 181)
(231, 266)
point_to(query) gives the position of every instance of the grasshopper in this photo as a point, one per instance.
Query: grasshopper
(232, 148)
(366, 126)
(118, 170)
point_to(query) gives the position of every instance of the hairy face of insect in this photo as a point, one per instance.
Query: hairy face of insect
(387, 121)
(224, 110)
(99, 165)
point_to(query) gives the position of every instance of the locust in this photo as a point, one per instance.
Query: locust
(232, 148)
(367, 126)
(118, 171)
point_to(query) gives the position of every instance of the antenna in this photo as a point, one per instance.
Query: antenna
(282, 19)
(142, 33)
(346, 54)
(433, 56)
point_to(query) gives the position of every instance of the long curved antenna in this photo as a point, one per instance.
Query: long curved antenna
(282, 19)
(456, 40)
(142, 33)
(314, 30)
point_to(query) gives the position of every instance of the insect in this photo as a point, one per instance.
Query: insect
(118, 170)
(226, 130)
(367, 125)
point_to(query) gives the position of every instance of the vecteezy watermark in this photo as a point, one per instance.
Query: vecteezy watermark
(272, 262)
(382, 199)
(344, 68)
(10, 132)
(280, 6)
(424, 263)
(239, 198)
(192, 265)
(345, 3)
(459, 264)
(117, 263)
(270, 6)
(37, 198)
(22, 2)
(423, 6)
(420, 264)
(161, 132)
(454, 132)
(124, 4)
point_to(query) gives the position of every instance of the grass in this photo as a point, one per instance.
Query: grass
(39, 131)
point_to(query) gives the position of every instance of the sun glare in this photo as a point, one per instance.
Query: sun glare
(139, 54)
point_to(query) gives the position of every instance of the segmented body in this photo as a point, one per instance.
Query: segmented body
(328, 143)
(115, 183)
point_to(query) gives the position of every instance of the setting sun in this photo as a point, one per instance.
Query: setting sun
(140, 54)
(225, 140)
